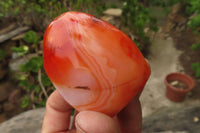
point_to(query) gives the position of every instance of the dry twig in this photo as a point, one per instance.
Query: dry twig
(41, 85)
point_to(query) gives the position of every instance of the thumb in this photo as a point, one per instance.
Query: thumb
(95, 122)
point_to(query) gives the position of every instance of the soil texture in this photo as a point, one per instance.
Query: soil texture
(183, 41)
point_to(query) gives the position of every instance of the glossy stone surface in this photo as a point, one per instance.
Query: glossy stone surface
(92, 64)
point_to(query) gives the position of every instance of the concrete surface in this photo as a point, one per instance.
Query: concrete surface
(183, 119)
(163, 60)
(27, 122)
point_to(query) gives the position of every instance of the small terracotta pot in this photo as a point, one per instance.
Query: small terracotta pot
(176, 94)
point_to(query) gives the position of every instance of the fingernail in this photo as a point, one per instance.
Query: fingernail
(78, 128)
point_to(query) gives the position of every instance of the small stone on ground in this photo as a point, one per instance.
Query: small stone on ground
(113, 12)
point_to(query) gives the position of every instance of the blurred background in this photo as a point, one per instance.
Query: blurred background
(166, 32)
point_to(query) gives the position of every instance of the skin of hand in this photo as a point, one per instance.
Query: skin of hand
(58, 111)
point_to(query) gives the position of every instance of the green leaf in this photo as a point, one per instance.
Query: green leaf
(137, 17)
(195, 46)
(73, 112)
(33, 65)
(41, 104)
(24, 83)
(31, 87)
(46, 81)
(1, 15)
(196, 68)
(37, 89)
(32, 37)
(21, 50)
(194, 22)
(2, 54)
(16, 11)
(22, 77)
(25, 102)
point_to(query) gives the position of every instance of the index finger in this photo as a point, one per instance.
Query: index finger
(57, 115)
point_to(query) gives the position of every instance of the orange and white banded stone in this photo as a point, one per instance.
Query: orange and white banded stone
(92, 64)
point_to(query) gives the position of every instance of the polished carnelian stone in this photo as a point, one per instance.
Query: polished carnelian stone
(92, 64)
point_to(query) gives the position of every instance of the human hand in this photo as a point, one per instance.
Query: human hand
(58, 111)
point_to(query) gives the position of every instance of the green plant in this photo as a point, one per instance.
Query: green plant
(32, 78)
(2, 54)
(25, 102)
(192, 10)
(192, 6)
(32, 37)
(196, 68)
(21, 50)
(45, 81)
(194, 23)
(195, 46)
(162, 3)
(137, 18)
(5, 6)
(39, 13)
(34, 81)
(158, 2)
(33, 65)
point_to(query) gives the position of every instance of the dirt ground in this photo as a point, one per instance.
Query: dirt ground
(183, 41)
(10, 93)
